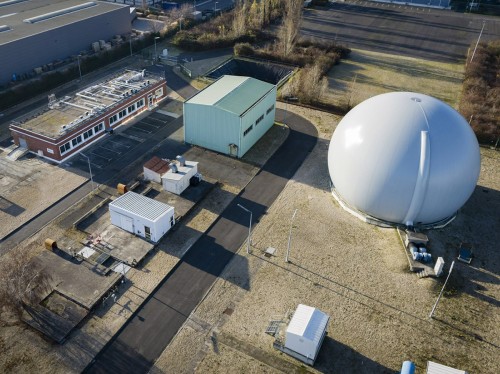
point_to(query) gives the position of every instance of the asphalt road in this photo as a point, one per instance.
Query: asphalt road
(431, 34)
(140, 342)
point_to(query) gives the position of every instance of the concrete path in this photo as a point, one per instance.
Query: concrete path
(143, 338)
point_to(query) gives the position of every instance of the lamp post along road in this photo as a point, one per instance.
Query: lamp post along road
(249, 241)
(290, 237)
(90, 170)
(79, 68)
(156, 55)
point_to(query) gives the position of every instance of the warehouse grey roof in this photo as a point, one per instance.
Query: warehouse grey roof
(141, 206)
(233, 93)
(23, 18)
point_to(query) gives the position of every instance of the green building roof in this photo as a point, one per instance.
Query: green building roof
(232, 93)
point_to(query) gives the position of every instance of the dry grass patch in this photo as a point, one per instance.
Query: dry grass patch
(366, 74)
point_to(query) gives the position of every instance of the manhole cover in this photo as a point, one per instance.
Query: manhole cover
(228, 311)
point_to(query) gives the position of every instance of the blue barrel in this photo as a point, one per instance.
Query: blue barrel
(408, 368)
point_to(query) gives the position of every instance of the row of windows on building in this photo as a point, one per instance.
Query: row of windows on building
(269, 110)
(81, 138)
(126, 112)
(100, 127)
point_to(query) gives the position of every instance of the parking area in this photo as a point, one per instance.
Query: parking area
(124, 140)
(396, 28)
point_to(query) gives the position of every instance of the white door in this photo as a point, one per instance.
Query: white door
(127, 223)
(22, 143)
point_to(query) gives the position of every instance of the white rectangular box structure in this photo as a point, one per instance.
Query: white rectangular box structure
(155, 168)
(142, 216)
(176, 181)
(305, 333)
(435, 368)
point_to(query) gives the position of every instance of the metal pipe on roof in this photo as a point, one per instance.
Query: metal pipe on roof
(75, 105)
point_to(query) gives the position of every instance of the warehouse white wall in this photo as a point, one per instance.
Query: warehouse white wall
(262, 127)
(158, 228)
(210, 127)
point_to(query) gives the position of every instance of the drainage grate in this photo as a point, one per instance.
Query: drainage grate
(273, 327)
(228, 311)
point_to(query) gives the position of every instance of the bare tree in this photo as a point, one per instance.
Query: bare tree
(314, 84)
(24, 281)
(289, 31)
(240, 18)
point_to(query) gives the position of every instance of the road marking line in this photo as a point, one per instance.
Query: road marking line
(111, 150)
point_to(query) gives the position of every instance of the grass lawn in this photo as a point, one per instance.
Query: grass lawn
(365, 74)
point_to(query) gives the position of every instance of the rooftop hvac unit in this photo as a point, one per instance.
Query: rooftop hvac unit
(173, 167)
(181, 160)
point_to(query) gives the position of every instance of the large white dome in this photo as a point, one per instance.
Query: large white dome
(404, 158)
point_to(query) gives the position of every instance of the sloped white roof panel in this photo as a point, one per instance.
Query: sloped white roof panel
(435, 368)
(141, 206)
(308, 322)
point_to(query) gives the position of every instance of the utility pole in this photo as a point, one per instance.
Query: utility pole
(478, 39)
(442, 289)
(249, 241)
(290, 237)
(90, 170)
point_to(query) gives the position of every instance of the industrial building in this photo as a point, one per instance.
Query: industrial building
(142, 216)
(404, 159)
(305, 333)
(230, 115)
(34, 33)
(174, 175)
(71, 123)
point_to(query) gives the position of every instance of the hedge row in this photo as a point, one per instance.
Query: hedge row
(480, 100)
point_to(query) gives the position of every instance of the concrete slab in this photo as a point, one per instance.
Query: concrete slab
(120, 244)
(56, 316)
(77, 281)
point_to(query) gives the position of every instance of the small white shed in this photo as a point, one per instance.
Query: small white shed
(435, 368)
(178, 177)
(142, 216)
(305, 333)
(154, 168)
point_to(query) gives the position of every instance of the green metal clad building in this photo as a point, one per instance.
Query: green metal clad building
(230, 115)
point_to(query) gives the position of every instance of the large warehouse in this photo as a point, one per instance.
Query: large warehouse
(37, 32)
(71, 123)
(230, 115)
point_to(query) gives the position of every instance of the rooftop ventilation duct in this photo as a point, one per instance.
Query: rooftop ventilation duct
(11, 2)
(60, 12)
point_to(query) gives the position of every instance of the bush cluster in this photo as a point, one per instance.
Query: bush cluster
(480, 100)
(306, 52)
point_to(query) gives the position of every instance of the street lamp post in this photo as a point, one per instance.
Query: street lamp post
(130, 42)
(290, 237)
(249, 227)
(215, 7)
(90, 170)
(156, 37)
(79, 69)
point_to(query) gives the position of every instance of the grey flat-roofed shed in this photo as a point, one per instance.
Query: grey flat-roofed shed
(40, 31)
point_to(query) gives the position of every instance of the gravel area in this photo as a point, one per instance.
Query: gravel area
(358, 274)
(28, 186)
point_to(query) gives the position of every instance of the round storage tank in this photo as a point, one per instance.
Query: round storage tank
(404, 158)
